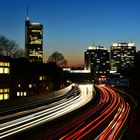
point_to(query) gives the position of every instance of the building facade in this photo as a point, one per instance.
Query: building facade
(4, 78)
(122, 56)
(97, 61)
(20, 78)
(33, 41)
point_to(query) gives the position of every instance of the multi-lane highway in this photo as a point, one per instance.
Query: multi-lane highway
(106, 120)
(46, 113)
(105, 117)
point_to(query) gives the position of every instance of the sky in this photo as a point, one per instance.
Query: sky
(70, 26)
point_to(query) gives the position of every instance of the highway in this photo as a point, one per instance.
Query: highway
(38, 117)
(105, 121)
(100, 116)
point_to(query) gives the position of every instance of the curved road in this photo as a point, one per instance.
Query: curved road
(105, 121)
(47, 114)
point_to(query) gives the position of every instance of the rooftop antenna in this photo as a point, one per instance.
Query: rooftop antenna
(27, 12)
(131, 39)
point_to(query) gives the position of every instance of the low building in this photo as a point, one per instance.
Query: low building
(21, 78)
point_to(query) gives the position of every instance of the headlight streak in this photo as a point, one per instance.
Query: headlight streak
(44, 116)
(81, 119)
(35, 115)
(35, 103)
(117, 107)
(26, 112)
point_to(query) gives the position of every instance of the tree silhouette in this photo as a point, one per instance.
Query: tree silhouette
(10, 48)
(58, 59)
(19, 53)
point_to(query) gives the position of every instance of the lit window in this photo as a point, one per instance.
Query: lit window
(6, 96)
(1, 70)
(21, 94)
(5, 90)
(1, 90)
(25, 94)
(19, 85)
(18, 94)
(1, 63)
(44, 77)
(30, 85)
(1, 96)
(5, 64)
(40, 78)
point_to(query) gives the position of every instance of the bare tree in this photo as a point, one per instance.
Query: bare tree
(3, 44)
(58, 58)
(19, 53)
(10, 48)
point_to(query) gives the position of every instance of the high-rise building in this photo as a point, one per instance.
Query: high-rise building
(97, 61)
(33, 41)
(122, 56)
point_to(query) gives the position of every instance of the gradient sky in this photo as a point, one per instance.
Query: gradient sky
(70, 26)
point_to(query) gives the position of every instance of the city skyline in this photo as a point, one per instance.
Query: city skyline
(70, 26)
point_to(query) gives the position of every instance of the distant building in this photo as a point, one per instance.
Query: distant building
(122, 56)
(33, 41)
(97, 61)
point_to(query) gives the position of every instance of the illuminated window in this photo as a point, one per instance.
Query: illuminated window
(30, 85)
(1, 96)
(6, 70)
(19, 85)
(1, 70)
(36, 42)
(6, 64)
(44, 77)
(18, 94)
(36, 31)
(25, 94)
(6, 96)
(40, 78)
(21, 94)
(1, 63)
(5, 90)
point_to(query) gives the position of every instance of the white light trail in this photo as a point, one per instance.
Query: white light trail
(46, 115)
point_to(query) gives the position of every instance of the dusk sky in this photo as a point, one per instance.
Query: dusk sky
(70, 26)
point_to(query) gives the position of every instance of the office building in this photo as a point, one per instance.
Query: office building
(122, 56)
(33, 41)
(97, 61)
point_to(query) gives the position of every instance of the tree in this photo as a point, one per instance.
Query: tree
(10, 48)
(19, 53)
(3, 44)
(58, 58)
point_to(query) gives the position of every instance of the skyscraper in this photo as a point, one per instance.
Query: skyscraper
(122, 56)
(33, 41)
(97, 61)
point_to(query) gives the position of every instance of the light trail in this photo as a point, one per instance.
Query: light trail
(71, 126)
(46, 115)
(112, 115)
